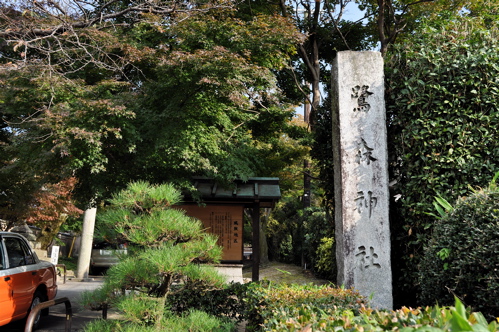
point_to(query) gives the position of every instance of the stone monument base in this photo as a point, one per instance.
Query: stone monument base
(233, 272)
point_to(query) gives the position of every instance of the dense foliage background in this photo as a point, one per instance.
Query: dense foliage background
(443, 115)
(134, 95)
(96, 94)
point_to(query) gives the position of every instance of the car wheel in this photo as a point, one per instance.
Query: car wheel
(37, 299)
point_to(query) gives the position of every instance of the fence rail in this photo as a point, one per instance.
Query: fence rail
(36, 310)
(63, 266)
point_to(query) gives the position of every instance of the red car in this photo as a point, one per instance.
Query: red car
(25, 281)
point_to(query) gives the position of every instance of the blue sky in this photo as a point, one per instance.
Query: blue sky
(352, 12)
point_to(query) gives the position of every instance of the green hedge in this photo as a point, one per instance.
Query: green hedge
(259, 303)
(307, 317)
(443, 115)
(223, 302)
(280, 307)
(462, 257)
(270, 304)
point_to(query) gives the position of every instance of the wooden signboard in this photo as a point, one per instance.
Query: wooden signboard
(224, 221)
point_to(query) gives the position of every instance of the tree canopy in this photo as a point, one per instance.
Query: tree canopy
(113, 91)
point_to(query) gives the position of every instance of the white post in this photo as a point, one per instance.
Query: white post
(87, 236)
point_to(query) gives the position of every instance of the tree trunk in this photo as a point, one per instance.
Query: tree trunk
(264, 248)
(49, 233)
(163, 292)
(306, 200)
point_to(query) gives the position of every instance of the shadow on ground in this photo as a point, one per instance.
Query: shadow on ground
(285, 273)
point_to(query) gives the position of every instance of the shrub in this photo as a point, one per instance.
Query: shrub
(266, 302)
(223, 302)
(325, 264)
(194, 321)
(318, 248)
(307, 317)
(442, 111)
(259, 302)
(462, 256)
(280, 307)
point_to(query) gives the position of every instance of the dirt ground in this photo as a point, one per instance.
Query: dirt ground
(287, 273)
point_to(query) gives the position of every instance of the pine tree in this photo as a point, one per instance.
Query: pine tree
(165, 247)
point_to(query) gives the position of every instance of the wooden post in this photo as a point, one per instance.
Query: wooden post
(255, 225)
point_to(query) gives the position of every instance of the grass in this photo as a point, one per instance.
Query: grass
(71, 262)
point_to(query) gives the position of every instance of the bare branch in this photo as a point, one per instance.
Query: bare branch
(336, 20)
(71, 34)
(390, 24)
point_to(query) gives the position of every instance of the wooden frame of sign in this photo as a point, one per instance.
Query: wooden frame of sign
(226, 222)
(221, 209)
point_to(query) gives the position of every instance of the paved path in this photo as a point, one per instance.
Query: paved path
(56, 320)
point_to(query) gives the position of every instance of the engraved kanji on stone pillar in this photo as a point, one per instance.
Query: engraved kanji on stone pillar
(361, 176)
(361, 93)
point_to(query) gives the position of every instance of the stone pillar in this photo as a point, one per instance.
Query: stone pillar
(87, 237)
(361, 176)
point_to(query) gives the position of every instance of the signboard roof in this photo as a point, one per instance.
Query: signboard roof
(264, 190)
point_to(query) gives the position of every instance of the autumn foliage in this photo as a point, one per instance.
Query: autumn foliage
(52, 205)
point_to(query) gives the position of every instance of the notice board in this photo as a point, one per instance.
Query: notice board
(224, 221)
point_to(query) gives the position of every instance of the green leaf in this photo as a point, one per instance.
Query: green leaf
(480, 328)
(442, 206)
(459, 321)
(493, 185)
(444, 203)
(480, 318)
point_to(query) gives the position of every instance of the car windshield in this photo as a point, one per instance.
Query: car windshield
(108, 246)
